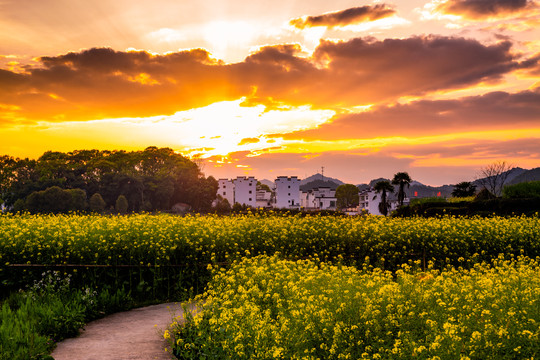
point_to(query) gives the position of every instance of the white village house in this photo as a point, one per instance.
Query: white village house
(243, 190)
(265, 199)
(287, 192)
(226, 190)
(321, 198)
(370, 200)
(287, 195)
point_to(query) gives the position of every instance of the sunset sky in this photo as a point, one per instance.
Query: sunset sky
(266, 88)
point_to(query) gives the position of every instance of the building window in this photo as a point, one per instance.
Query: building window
(289, 194)
(224, 193)
(249, 199)
(250, 191)
(289, 186)
(332, 203)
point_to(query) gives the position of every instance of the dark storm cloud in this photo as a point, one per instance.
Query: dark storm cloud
(345, 17)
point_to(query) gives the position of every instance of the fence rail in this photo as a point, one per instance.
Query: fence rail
(112, 266)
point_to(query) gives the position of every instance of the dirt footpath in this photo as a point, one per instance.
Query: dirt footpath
(131, 335)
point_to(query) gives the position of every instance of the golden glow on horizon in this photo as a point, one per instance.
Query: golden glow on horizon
(217, 129)
(240, 84)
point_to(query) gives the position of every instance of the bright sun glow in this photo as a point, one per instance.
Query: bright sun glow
(224, 35)
(217, 129)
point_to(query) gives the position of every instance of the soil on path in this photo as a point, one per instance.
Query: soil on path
(131, 335)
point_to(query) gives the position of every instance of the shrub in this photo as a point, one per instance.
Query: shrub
(433, 199)
(19, 206)
(55, 200)
(50, 310)
(529, 189)
(460, 199)
(97, 204)
(484, 194)
(146, 206)
(222, 206)
(121, 205)
(78, 200)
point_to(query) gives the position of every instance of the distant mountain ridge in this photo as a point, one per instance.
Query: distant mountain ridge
(419, 190)
(525, 176)
(416, 189)
(319, 184)
(318, 176)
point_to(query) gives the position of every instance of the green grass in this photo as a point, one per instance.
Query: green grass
(32, 321)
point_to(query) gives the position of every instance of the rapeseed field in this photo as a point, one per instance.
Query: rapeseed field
(270, 308)
(304, 287)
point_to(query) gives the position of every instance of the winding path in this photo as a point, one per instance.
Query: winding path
(130, 335)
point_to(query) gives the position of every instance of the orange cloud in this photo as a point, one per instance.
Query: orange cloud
(103, 83)
(483, 9)
(495, 110)
(345, 17)
(248, 141)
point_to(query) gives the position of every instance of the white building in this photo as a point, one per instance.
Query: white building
(287, 192)
(322, 198)
(245, 191)
(370, 200)
(226, 190)
(264, 199)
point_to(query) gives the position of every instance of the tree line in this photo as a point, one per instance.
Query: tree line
(154, 179)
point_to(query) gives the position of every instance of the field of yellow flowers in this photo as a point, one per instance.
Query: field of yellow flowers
(164, 254)
(301, 287)
(269, 308)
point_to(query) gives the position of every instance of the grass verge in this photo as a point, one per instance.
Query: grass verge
(32, 321)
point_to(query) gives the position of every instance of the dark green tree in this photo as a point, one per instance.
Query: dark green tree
(383, 187)
(19, 206)
(261, 186)
(23, 181)
(121, 205)
(51, 200)
(202, 194)
(347, 196)
(464, 189)
(156, 176)
(78, 200)
(401, 179)
(7, 175)
(96, 203)
(222, 206)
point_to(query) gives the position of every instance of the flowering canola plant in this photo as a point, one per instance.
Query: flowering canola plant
(177, 250)
(270, 308)
(145, 239)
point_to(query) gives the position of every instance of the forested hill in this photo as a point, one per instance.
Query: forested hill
(152, 179)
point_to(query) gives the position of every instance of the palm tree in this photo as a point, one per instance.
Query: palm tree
(401, 179)
(382, 187)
